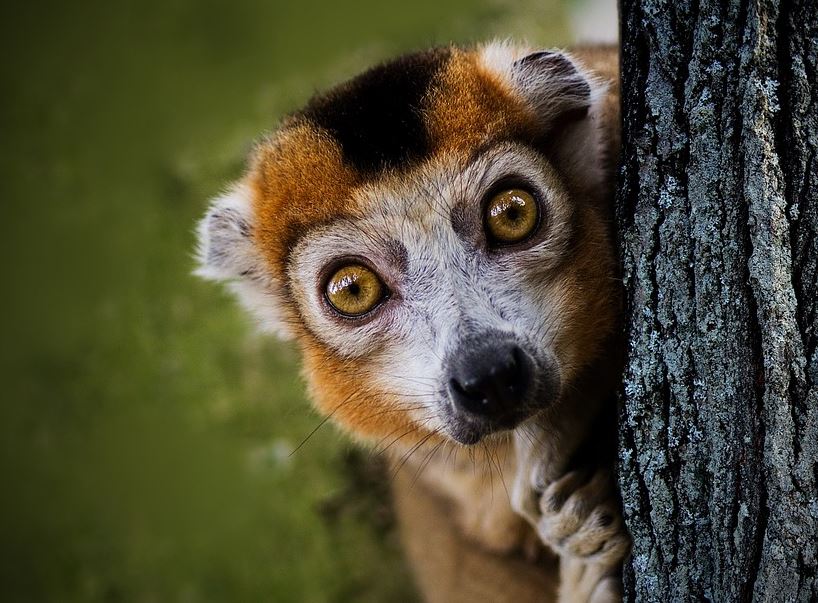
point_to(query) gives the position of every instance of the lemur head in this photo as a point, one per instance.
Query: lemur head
(432, 233)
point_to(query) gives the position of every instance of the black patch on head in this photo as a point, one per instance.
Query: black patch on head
(377, 116)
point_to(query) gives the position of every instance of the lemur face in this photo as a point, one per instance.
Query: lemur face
(431, 234)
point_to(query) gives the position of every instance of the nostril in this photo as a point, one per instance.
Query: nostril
(455, 386)
(469, 397)
(517, 359)
(517, 355)
(467, 391)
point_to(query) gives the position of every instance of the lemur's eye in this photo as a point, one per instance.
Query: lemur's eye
(511, 216)
(354, 290)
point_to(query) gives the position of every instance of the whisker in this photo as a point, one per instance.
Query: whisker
(500, 473)
(491, 472)
(411, 451)
(321, 424)
(426, 461)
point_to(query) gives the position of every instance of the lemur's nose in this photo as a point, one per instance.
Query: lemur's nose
(491, 381)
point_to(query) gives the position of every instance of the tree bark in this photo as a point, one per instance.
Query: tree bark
(717, 212)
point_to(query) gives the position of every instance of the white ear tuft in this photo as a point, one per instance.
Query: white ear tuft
(226, 252)
(225, 245)
(552, 83)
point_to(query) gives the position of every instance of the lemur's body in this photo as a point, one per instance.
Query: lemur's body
(434, 234)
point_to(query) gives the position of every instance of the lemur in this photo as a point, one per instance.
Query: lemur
(435, 235)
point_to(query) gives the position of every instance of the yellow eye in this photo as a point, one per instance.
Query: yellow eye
(511, 216)
(354, 290)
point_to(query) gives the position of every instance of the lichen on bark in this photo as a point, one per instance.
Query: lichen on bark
(718, 219)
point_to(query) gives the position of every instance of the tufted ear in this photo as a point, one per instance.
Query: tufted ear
(227, 253)
(225, 245)
(553, 85)
(568, 102)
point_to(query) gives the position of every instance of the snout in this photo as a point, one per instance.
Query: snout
(491, 381)
(494, 384)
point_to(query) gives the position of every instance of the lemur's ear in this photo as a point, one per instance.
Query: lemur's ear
(553, 85)
(226, 253)
(566, 100)
(225, 247)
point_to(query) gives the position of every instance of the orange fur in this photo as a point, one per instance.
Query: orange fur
(300, 181)
(485, 107)
(339, 389)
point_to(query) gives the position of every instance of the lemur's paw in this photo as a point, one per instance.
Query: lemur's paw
(579, 517)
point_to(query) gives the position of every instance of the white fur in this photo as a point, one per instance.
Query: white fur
(446, 282)
(538, 86)
(226, 253)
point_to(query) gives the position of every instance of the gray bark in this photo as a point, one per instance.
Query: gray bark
(718, 219)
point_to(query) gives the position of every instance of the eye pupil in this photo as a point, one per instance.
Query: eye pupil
(511, 216)
(353, 290)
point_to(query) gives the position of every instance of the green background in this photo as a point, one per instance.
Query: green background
(145, 429)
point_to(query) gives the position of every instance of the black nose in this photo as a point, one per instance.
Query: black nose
(491, 380)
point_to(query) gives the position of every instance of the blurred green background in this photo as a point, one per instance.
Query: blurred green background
(145, 429)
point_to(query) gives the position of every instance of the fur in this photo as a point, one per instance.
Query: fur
(392, 170)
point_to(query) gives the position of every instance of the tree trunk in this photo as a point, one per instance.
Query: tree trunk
(718, 219)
